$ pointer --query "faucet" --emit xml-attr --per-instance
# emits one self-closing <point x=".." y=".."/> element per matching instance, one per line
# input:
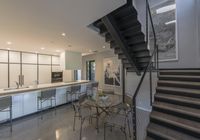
<point x="17" y="84"/>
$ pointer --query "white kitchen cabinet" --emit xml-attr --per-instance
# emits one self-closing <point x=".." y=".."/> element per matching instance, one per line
<point x="44" y="59"/>
<point x="30" y="74"/>
<point x="29" y="58"/>
<point x="4" y="75"/>
<point x="55" y="60"/>
<point x="18" y="105"/>
<point x="44" y="74"/>
<point x="14" y="57"/>
<point x="3" y="56"/>
<point x="30" y="102"/>
<point x="14" y="74"/>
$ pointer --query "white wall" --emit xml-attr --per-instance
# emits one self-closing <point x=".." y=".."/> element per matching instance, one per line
<point x="187" y="31"/>
<point x="98" y="57"/>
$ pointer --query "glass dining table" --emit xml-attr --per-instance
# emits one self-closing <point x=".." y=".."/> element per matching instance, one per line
<point x="103" y="104"/>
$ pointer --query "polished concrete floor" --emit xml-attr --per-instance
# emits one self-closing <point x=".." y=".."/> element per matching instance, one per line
<point x="55" y="127"/>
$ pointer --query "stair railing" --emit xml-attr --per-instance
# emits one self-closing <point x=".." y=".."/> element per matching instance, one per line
<point x="149" y="67"/>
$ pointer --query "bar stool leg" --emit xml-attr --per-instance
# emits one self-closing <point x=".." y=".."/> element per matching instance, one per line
<point x="11" y="118"/>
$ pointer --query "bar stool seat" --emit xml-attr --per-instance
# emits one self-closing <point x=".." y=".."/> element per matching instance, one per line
<point x="6" y="106"/>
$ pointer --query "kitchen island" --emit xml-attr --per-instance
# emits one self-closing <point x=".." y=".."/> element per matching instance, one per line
<point x="24" y="100"/>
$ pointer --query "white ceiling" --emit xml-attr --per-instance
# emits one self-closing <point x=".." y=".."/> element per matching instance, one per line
<point x="32" y="24"/>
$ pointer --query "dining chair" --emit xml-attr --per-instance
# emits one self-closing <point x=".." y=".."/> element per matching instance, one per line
<point x="74" y="92"/>
<point x="120" y="117"/>
<point x="6" y="106"/>
<point x="82" y="112"/>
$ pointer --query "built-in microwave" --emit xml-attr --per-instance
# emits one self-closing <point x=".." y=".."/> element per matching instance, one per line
<point x="56" y="77"/>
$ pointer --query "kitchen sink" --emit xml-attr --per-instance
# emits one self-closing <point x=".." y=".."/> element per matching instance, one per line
<point x="15" y="88"/>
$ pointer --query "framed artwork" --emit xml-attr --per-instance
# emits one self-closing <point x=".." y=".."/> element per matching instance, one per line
<point x="164" y="18"/>
<point x="112" y="71"/>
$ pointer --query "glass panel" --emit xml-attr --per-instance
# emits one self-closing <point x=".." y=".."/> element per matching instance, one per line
<point x="4" y="75"/>
<point x="14" y="57"/>
<point x="30" y="74"/>
<point x="44" y="74"/>
<point x="29" y="58"/>
<point x="3" y="56"/>
<point x="56" y="60"/>
<point x="56" y="68"/>
<point x="44" y="59"/>
<point x="14" y="74"/>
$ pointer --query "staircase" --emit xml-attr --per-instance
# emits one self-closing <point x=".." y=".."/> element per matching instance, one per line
<point x="122" y="30"/>
<point x="176" y="109"/>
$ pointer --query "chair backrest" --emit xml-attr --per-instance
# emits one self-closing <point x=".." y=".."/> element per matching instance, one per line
<point x="5" y="102"/>
<point x="128" y="100"/>
<point x="82" y="98"/>
<point x="108" y="91"/>
<point x="75" y="88"/>
<point x="95" y="85"/>
<point x="48" y="93"/>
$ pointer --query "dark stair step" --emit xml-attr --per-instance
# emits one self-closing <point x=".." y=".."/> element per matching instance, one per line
<point x="122" y="56"/>
<point x="142" y="54"/>
<point x="132" y="31"/>
<point x="103" y="31"/>
<point x="143" y="65"/>
<point x="108" y="37"/>
<point x="124" y="25"/>
<point x="181" y="124"/>
<point x="124" y="11"/>
<point x="179" y="91"/>
<point x="135" y="40"/>
<point x="177" y="110"/>
<point x="139" y="47"/>
<point x="143" y="60"/>
<point x="178" y="100"/>
<point x="127" y="18"/>
<point x="98" y="23"/>
<point x="180" y="78"/>
<point x="192" y="85"/>
<point x="149" y="138"/>
<point x="113" y="44"/>
<point x="159" y="132"/>
<point x="180" y="72"/>
<point x="127" y="65"/>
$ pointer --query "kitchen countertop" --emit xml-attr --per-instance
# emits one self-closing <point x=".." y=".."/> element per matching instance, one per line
<point x="4" y="93"/>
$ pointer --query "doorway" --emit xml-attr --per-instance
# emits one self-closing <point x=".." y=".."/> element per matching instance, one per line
<point x="90" y="70"/>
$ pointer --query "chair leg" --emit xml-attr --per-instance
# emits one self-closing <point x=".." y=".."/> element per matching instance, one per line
<point x="82" y="121"/>
<point x="11" y="118"/>
<point x="55" y="105"/>
<point x="74" y="122"/>
<point x="129" y="131"/>
<point x="104" y="131"/>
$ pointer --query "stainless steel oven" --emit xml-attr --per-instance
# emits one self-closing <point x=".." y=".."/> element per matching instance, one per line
<point x="56" y="77"/>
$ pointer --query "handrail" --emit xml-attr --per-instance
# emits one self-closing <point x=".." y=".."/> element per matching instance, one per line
<point x="155" y="55"/>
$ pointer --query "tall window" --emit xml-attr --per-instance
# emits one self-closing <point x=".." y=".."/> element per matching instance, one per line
<point x="90" y="70"/>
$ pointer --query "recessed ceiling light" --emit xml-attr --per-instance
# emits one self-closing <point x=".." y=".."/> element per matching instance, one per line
<point x="42" y="48"/>
<point x="57" y="50"/>
<point x="8" y="48"/>
<point x="63" y="34"/>
<point x="166" y="9"/>
<point x="9" y="43"/>
<point x="104" y="47"/>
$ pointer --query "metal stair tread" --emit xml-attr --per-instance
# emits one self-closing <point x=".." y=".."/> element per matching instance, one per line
<point x="185" y="90"/>
<point x="178" y="108"/>
<point x="191" y="100"/>
<point x="179" y="82"/>
<point x="188" y="125"/>
<point x="168" y="133"/>
<point x="181" y="76"/>
<point x="181" y="70"/>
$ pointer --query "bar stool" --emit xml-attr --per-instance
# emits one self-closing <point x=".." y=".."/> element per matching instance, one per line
<point x="91" y="87"/>
<point x="46" y="95"/>
<point x="6" y="106"/>
<point x="75" y="92"/>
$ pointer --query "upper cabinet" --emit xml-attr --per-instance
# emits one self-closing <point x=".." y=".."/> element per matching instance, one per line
<point x="71" y="60"/>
